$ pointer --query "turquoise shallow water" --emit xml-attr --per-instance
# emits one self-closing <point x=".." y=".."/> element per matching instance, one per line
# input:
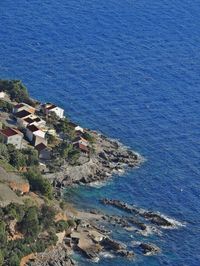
<point x="130" y="69"/>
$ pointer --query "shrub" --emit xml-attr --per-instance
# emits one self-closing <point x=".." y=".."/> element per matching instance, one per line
<point x="38" y="183"/>
<point x="6" y="106"/>
<point x="47" y="215"/>
<point x="61" y="226"/>
<point x="31" y="156"/>
<point x="1" y="258"/>
<point x="4" y="154"/>
<point x="30" y="223"/>
<point x="16" y="90"/>
<point x="3" y="234"/>
<point x="14" y="260"/>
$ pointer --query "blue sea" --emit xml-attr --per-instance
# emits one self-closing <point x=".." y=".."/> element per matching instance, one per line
<point x="130" y="69"/>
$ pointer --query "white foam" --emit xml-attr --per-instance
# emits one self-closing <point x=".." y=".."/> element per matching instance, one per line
<point x="106" y="255"/>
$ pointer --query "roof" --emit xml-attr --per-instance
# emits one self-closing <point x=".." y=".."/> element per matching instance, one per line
<point x="81" y="146"/>
<point x="37" y="119"/>
<point x="40" y="147"/>
<point x="52" y="106"/>
<point x="10" y="132"/>
<point x="19" y="105"/>
<point x="79" y="138"/>
<point x="33" y="128"/>
<point x="29" y="120"/>
<point x="22" y="114"/>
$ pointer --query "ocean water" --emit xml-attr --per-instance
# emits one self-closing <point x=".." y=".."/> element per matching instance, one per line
<point x="130" y="69"/>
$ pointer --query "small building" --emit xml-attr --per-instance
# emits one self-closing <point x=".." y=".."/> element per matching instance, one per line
<point x="81" y="140"/>
<point x="38" y="139"/>
<point x="82" y="147"/>
<point x="2" y="94"/>
<point x="32" y="131"/>
<point x="43" y="151"/>
<point x="23" y="106"/>
<point x="12" y="136"/>
<point x="48" y="108"/>
<point x="76" y="127"/>
<point x="20" y="116"/>
<point x="32" y="119"/>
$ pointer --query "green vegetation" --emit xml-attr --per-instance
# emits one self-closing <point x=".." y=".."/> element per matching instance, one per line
<point x="39" y="183"/>
<point x="52" y="140"/>
<point x="61" y="226"/>
<point x="16" y="90"/>
<point x="36" y="226"/>
<point x="11" y="157"/>
<point x="89" y="137"/>
<point x="6" y="166"/>
<point x="64" y="151"/>
<point x="1" y="258"/>
<point x="6" y="106"/>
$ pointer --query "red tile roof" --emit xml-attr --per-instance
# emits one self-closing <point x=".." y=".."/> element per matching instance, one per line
<point x="40" y="147"/>
<point x="22" y="114"/>
<point x="52" y="106"/>
<point x="19" y="105"/>
<point x="33" y="128"/>
<point x="8" y="132"/>
<point x="28" y="120"/>
<point x="81" y="146"/>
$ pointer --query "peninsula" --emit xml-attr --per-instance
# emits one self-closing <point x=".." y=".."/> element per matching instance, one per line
<point x="42" y="152"/>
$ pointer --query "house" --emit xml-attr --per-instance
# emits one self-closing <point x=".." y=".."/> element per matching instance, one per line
<point x="81" y="140"/>
<point x="12" y="136"/>
<point x="48" y="108"/>
<point x="2" y="94"/>
<point x="43" y="151"/>
<point x="76" y="127"/>
<point x="37" y="140"/>
<point x="23" y="106"/>
<point x="20" y="116"/>
<point x="82" y="147"/>
<point x="32" y="119"/>
<point x="32" y="132"/>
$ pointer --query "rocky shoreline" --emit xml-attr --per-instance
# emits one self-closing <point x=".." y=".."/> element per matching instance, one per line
<point x="110" y="158"/>
<point x="93" y="236"/>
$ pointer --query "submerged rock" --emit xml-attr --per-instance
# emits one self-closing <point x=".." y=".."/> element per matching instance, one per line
<point x="149" y="249"/>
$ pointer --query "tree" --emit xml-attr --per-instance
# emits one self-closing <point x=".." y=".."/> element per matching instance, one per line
<point x="31" y="156"/>
<point x="3" y="234"/>
<point x="17" y="159"/>
<point x="15" y="211"/>
<point x="51" y="139"/>
<point x="17" y="91"/>
<point x="39" y="183"/>
<point x="47" y="215"/>
<point x="14" y="260"/>
<point x="1" y="258"/>
<point x="30" y="222"/>
<point x="6" y="106"/>
<point x="62" y="225"/>
<point x="4" y="154"/>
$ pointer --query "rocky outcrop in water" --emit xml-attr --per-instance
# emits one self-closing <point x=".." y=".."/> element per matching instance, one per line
<point x="153" y="217"/>
<point x="116" y="247"/>
<point x="149" y="249"/>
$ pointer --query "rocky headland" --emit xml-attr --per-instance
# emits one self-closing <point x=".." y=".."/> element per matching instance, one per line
<point x="110" y="157"/>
